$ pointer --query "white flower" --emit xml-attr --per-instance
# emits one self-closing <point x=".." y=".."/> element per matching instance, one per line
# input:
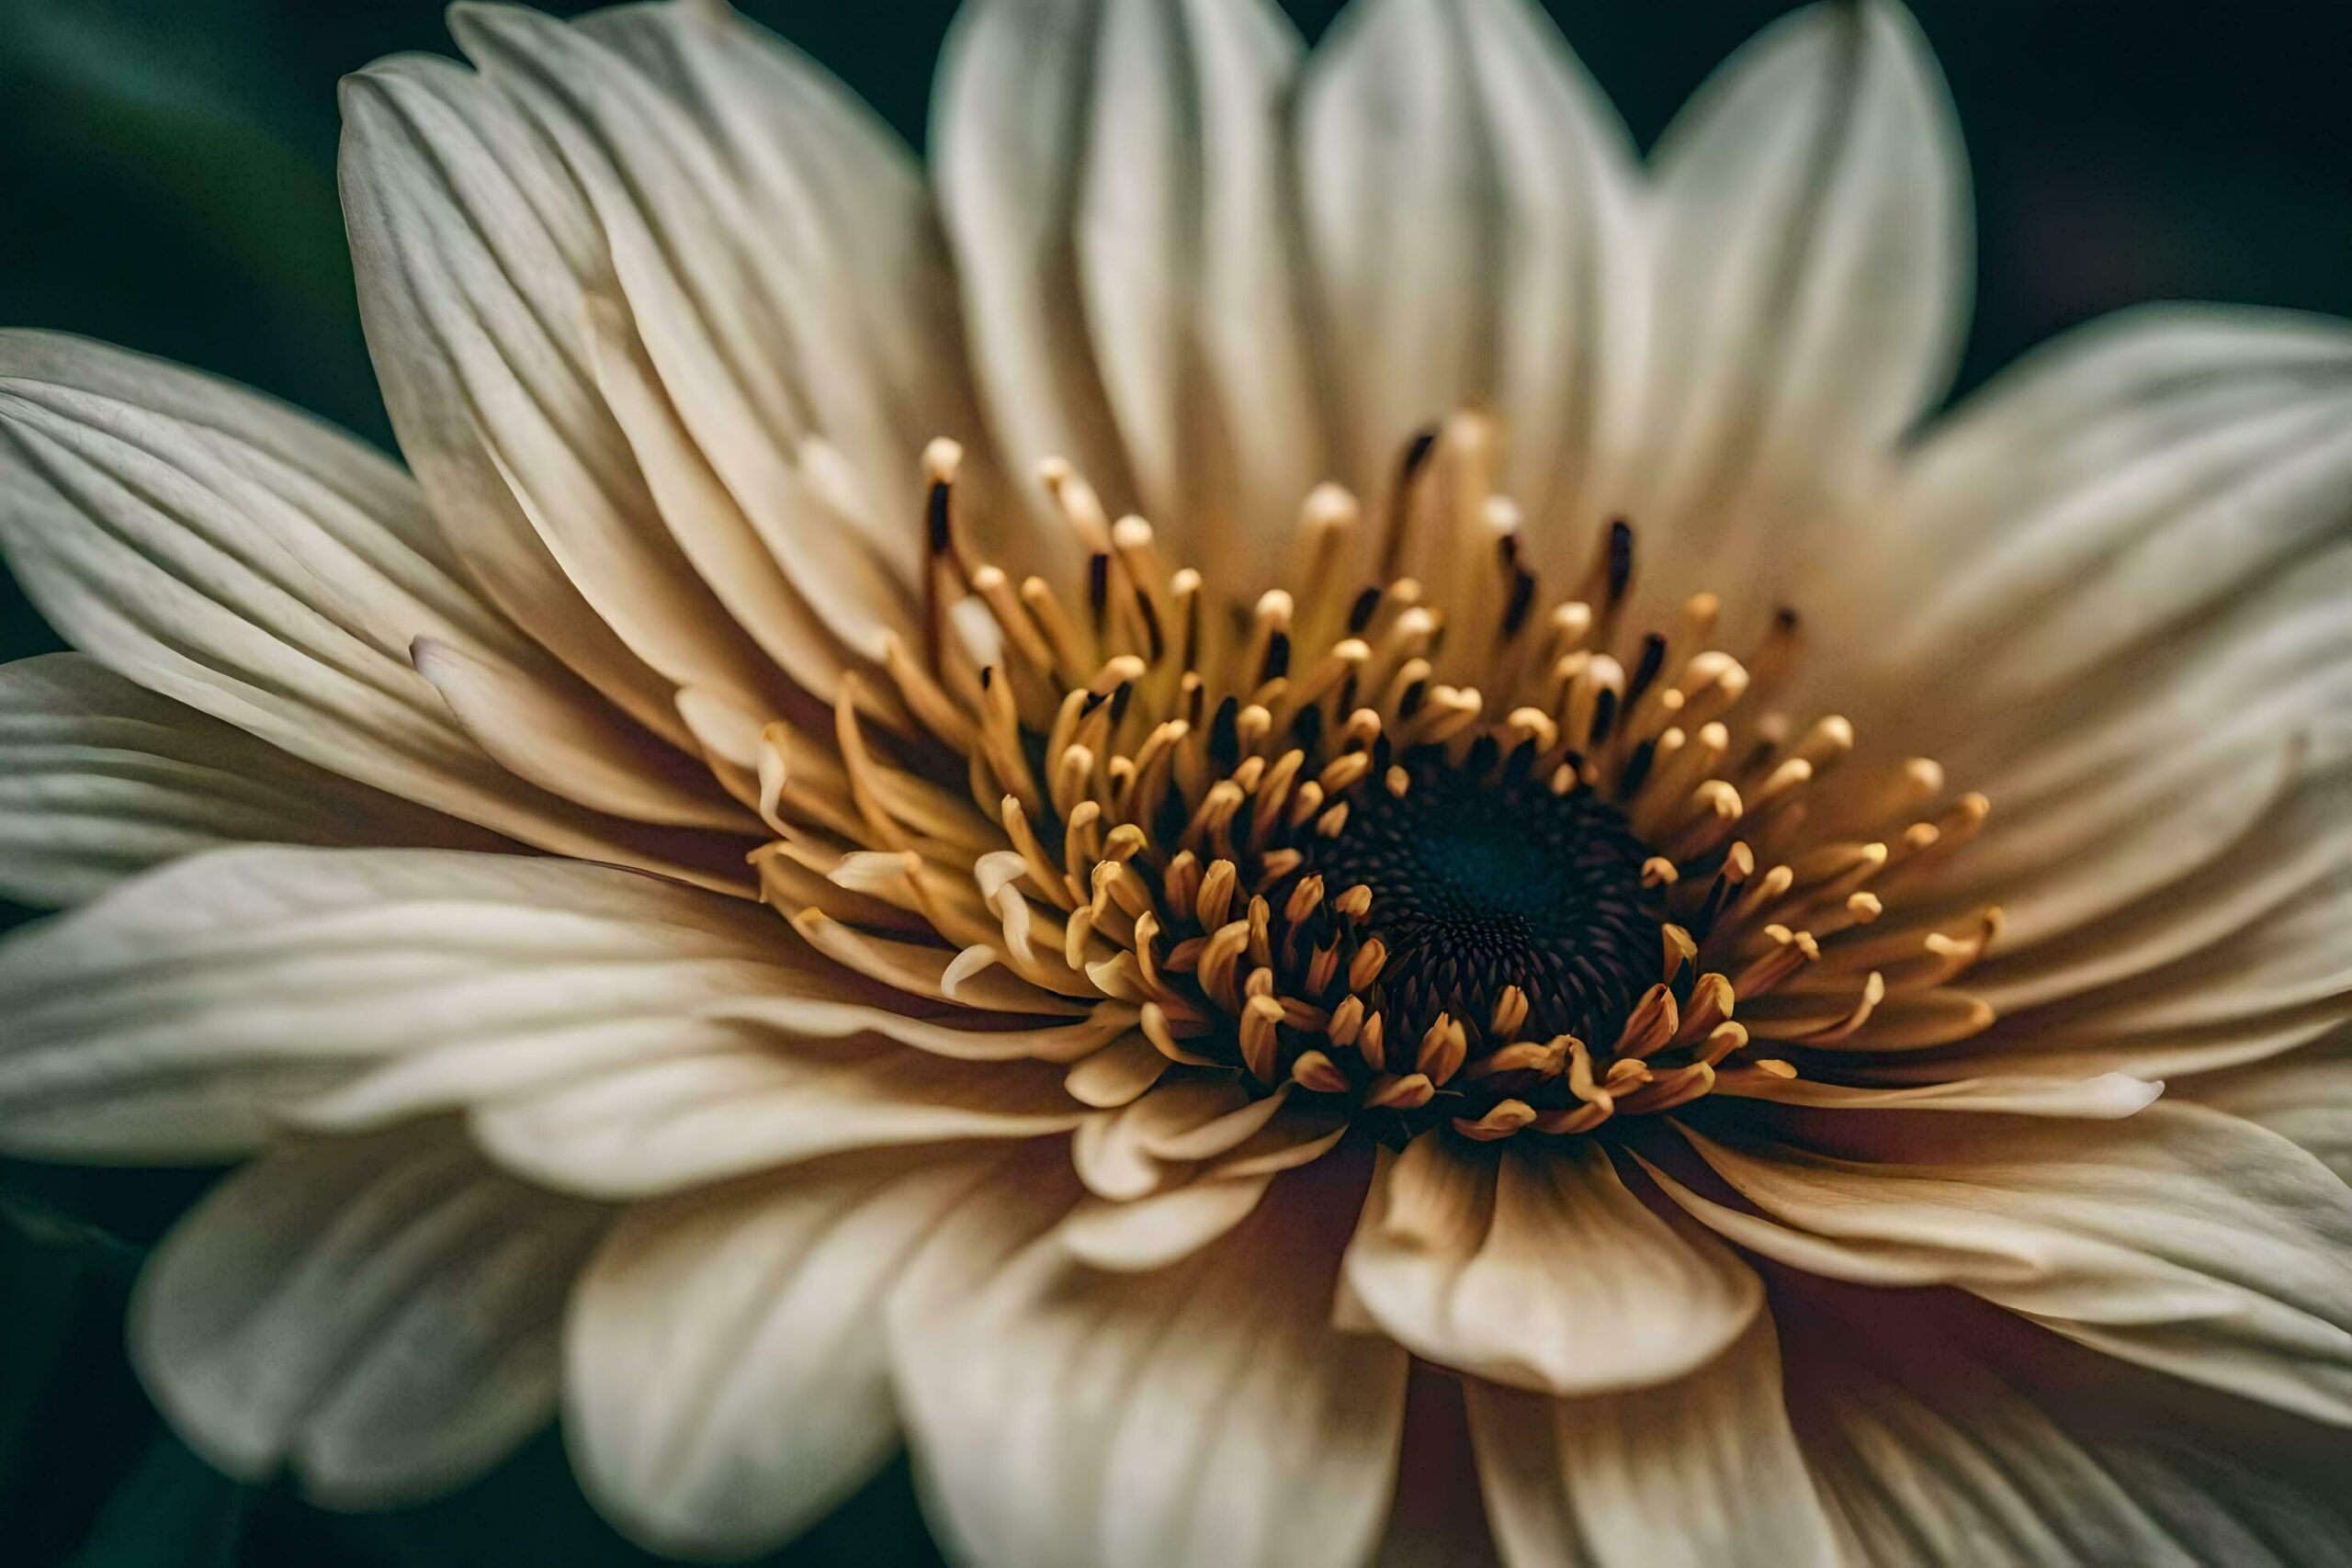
<point x="1383" y="924"/>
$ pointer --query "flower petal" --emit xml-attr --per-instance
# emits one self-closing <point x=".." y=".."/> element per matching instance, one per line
<point x="1207" y="1414"/>
<point x="235" y="557"/>
<point x="1468" y="194"/>
<point x="839" y="228"/>
<point x="178" y="1015"/>
<point x="707" y="260"/>
<point x="1810" y="244"/>
<point x="676" y="1120"/>
<point x="1185" y="246"/>
<point x="2128" y="563"/>
<point x="2181" y="1238"/>
<point x="2305" y="1098"/>
<point x="1704" y="1469"/>
<point x="2042" y="524"/>
<point x="101" y="779"/>
<point x="1540" y="1269"/>
<point x="1930" y="1455"/>
<point x="377" y="1314"/>
<point x="1008" y="116"/>
<point x="728" y="1375"/>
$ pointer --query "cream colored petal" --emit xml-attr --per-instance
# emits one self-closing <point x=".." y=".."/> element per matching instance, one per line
<point x="573" y="745"/>
<point x="1009" y="121"/>
<point x="1810" y="241"/>
<point x="469" y="241"/>
<point x="707" y="271"/>
<point x="1189" y="271"/>
<point x="2305" y="1098"/>
<point x="2127" y="563"/>
<point x="101" y="779"/>
<point x="1538" y="1268"/>
<point x="2110" y="1095"/>
<point x="1930" y="1455"/>
<point x="1164" y="1228"/>
<point x="1469" y="195"/>
<point x="726" y="1375"/>
<point x="2040" y="527"/>
<point x="377" y="1316"/>
<point x="1208" y="1413"/>
<point x="218" y="550"/>
<point x="839" y="228"/>
<point x="178" y="1016"/>
<point x="674" y="1120"/>
<point x="2184" y="1239"/>
<point x="1701" y="1472"/>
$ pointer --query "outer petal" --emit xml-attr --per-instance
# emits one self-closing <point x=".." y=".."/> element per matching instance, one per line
<point x="1930" y="1455"/>
<point x="2182" y="1238"/>
<point x="677" y="1120"/>
<point x="377" y="1314"/>
<point x="1810" y="244"/>
<point x="1115" y="180"/>
<point x="100" y="779"/>
<point x="2039" y="529"/>
<point x="1467" y="190"/>
<point x="2127" y="561"/>
<point x="1703" y="1471"/>
<point x="2305" y="1098"/>
<point x="1206" y="1414"/>
<point x="233" y="555"/>
<point x="175" y="1016"/>
<point x="1538" y="1267"/>
<point x="707" y="260"/>
<point x="729" y="1376"/>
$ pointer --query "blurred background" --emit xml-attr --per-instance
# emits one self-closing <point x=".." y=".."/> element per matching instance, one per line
<point x="167" y="182"/>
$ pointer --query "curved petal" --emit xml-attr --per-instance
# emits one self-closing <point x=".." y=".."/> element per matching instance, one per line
<point x="1538" y="1268"/>
<point x="1188" y="269"/>
<point x="675" y="1119"/>
<point x="1810" y="244"/>
<point x="377" y="1314"/>
<point x="728" y="1375"/>
<point x="839" y="231"/>
<point x="2041" y="526"/>
<point x="1928" y="1454"/>
<point x="1468" y="194"/>
<point x="2182" y="1238"/>
<point x="2127" y="562"/>
<point x="751" y="329"/>
<point x="2305" y="1098"/>
<point x="180" y="1015"/>
<point x="101" y="779"/>
<point x="1207" y="1414"/>
<point x="232" y="556"/>
<point x="1701" y="1471"/>
<point x="1008" y="119"/>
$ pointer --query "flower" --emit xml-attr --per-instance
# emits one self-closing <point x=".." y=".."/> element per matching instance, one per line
<point x="1571" y="947"/>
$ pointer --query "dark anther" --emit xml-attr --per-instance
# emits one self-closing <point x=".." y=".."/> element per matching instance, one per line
<point x="1522" y="598"/>
<point x="1225" y="736"/>
<point x="1361" y="613"/>
<point x="1277" y="663"/>
<point x="1653" y="659"/>
<point x="1604" y="714"/>
<point x="1621" y="559"/>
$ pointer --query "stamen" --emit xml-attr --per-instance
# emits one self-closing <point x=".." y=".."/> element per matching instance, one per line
<point x="1408" y="849"/>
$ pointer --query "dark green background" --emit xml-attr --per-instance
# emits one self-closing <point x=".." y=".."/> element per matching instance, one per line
<point x="167" y="181"/>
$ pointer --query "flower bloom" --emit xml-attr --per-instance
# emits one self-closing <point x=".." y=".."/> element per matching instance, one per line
<point x="1297" y="817"/>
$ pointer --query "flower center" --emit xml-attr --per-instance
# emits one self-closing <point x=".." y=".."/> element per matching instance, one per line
<point x="1416" y="841"/>
<point x="1483" y="879"/>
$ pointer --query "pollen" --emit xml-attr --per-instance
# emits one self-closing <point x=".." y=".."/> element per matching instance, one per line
<point x="1414" y="837"/>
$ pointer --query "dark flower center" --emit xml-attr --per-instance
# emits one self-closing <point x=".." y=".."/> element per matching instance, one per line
<point x="1481" y="881"/>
